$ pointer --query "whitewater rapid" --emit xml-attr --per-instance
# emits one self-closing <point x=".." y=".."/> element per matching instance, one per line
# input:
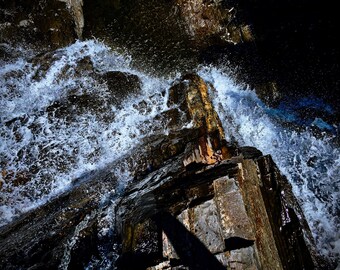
<point x="88" y="142"/>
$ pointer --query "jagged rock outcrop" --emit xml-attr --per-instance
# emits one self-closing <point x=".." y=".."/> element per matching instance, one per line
<point x="196" y="202"/>
<point x="213" y="22"/>
<point x="214" y="207"/>
<point x="203" y="23"/>
<point x="166" y="35"/>
<point x="231" y="205"/>
<point x="75" y="7"/>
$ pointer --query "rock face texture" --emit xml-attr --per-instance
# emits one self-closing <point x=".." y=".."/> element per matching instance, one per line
<point x="212" y="22"/>
<point x="196" y="202"/>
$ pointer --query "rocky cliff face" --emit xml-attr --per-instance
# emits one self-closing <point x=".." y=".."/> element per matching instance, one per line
<point x="196" y="202"/>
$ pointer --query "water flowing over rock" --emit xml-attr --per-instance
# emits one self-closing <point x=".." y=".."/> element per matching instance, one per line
<point x="195" y="202"/>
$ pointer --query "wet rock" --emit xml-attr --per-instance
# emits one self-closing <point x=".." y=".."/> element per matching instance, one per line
<point x="233" y="223"/>
<point x="212" y="22"/>
<point x="117" y="86"/>
<point x="249" y="152"/>
<point x="269" y="93"/>
<point x="121" y="85"/>
<point x="81" y="100"/>
<point x="203" y="221"/>
<point x="15" y="180"/>
<point x="191" y="97"/>
<point x="308" y="68"/>
<point x="224" y="220"/>
<point x="201" y="23"/>
<point x="141" y="246"/>
<point x="75" y="7"/>
<point x="277" y="194"/>
<point x="43" y="62"/>
<point x="166" y="36"/>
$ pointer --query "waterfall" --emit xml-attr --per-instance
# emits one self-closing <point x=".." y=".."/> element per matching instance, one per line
<point x="41" y="152"/>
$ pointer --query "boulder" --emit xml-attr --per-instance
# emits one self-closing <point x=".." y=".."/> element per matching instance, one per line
<point x="212" y="22"/>
<point x="121" y="85"/>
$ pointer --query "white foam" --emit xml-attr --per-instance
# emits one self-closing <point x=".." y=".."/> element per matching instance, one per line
<point x="59" y="149"/>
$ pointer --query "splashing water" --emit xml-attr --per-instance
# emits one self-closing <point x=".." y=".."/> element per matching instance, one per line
<point x="311" y="164"/>
<point x="42" y="150"/>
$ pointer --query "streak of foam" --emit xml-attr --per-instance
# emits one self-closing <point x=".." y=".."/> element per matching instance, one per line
<point x="311" y="164"/>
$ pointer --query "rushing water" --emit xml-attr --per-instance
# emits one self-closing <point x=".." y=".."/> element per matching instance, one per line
<point x="42" y="152"/>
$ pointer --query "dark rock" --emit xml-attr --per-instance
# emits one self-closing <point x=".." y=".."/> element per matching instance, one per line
<point x="290" y="57"/>
<point x="121" y="85"/>
<point x="165" y="35"/>
<point x="44" y="61"/>
<point x="223" y="205"/>
<point x="250" y="152"/>
<point x="43" y="24"/>
<point x="212" y="22"/>
<point x="170" y="35"/>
